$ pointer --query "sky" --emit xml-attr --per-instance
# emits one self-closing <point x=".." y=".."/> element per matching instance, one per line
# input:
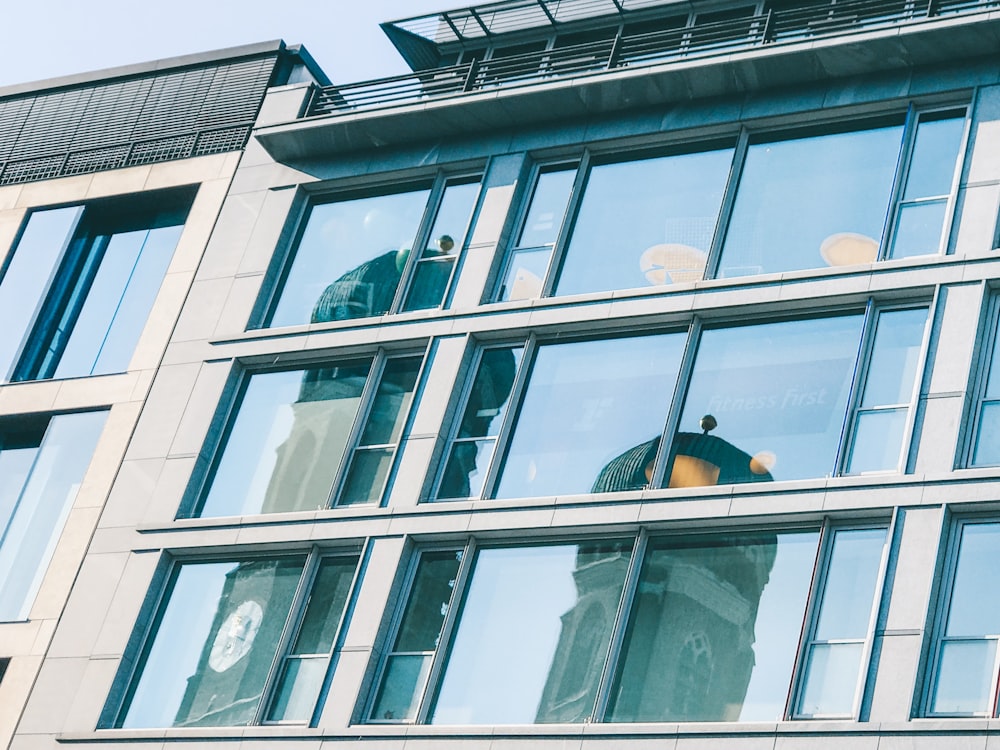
<point x="50" y="38"/>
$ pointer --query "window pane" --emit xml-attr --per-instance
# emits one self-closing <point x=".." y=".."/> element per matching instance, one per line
<point x="392" y="401"/>
<point x="988" y="438"/>
<point x="811" y="202"/>
<point x="118" y="302"/>
<point x="548" y="205"/>
<point x="402" y="686"/>
<point x="350" y="258"/>
<point x="895" y="353"/>
<point x="850" y="584"/>
<point x="831" y="679"/>
<point x="326" y="605"/>
<point x="918" y="229"/>
<point x="714" y="630"/>
<point x="28" y="274"/>
<point x="43" y="501"/>
<point x="971" y="613"/>
<point x="588" y="407"/>
<point x="429" y="599"/>
<point x="214" y="644"/>
<point x="646" y="223"/>
<point x="297" y="689"/>
<point x="430" y="282"/>
<point x="964" y="677"/>
<point x="878" y="439"/>
<point x="366" y="477"/>
<point x="935" y="152"/>
<point x="526" y="274"/>
<point x="533" y="635"/>
<point x="465" y="472"/>
<point x="287" y="441"/>
<point x="775" y="395"/>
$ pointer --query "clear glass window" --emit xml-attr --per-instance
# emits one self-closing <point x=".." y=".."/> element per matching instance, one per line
<point x="42" y="463"/>
<point x="354" y="254"/>
<point x="79" y="286"/>
<point x="301" y="431"/>
<point x="986" y="442"/>
<point x="212" y="658"/>
<point x="636" y="630"/>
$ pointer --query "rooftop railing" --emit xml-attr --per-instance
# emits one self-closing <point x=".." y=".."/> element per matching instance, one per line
<point x="780" y="24"/>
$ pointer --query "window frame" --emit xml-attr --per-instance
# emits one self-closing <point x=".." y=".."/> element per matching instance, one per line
<point x="426" y="695"/>
<point x="983" y="364"/>
<point x="158" y="599"/>
<point x="694" y="328"/>
<point x="740" y="138"/>
<point x="229" y="409"/>
<point x="435" y="183"/>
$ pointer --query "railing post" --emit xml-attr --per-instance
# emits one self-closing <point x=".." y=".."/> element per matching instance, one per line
<point x="615" y="53"/>
<point x="765" y="35"/>
<point x="470" y="77"/>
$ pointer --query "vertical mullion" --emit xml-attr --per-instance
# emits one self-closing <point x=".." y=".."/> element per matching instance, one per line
<point x="906" y="147"/>
<point x="567" y="225"/>
<point x="368" y="394"/>
<point x="861" y="364"/>
<point x="728" y="203"/>
<point x="444" y="640"/>
<point x="419" y="242"/>
<point x="511" y="417"/>
<point x="684" y="373"/>
<point x="629" y="588"/>
<point x="293" y="621"/>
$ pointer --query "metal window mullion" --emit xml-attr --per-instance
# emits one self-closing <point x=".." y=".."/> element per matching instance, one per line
<point x="419" y="242"/>
<point x="906" y="146"/>
<point x="855" y="395"/>
<point x="629" y="589"/>
<point x="725" y="216"/>
<point x="511" y="417"/>
<point x="567" y="225"/>
<point x="368" y="394"/>
<point x="447" y="628"/>
<point x="673" y="416"/>
<point x="293" y="621"/>
<point x="810" y="619"/>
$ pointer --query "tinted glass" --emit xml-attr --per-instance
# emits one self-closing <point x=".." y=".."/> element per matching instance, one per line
<point x="777" y="397"/>
<point x="714" y="630"/>
<point x="287" y="441"/>
<point x="971" y="613"/>
<point x="214" y="644"/>
<point x="589" y="409"/>
<point x="895" y="353"/>
<point x="350" y="259"/>
<point x="548" y="205"/>
<point x="935" y="153"/>
<point x="645" y="223"/>
<point x="811" y="202"/>
<point x="533" y="635"/>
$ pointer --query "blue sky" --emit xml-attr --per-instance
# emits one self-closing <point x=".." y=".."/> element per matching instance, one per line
<point x="49" y="38"/>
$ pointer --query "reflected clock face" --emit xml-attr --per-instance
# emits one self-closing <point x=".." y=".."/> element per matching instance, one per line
<point x="235" y="637"/>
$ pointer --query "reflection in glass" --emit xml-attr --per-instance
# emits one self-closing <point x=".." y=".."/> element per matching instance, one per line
<point x="408" y="664"/>
<point x="533" y="635"/>
<point x="472" y="448"/>
<point x="833" y="654"/>
<point x="306" y="665"/>
<point x="888" y="391"/>
<point x="920" y="223"/>
<point x="775" y="393"/>
<point x="350" y="258"/>
<point x="447" y="238"/>
<point x="42" y="463"/>
<point x="967" y="650"/>
<point x="286" y="444"/>
<point x="795" y="195"/>
<point x="529" y="261"/>
<point x="645" y="223"/>
<point x="712" y="631"/>
<point x="214" y="644"/>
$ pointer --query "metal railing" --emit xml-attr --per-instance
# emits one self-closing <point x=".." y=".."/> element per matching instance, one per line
<point x="778" y="25"/>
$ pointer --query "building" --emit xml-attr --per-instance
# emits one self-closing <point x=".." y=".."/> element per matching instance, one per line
<point x="622" y="377"/>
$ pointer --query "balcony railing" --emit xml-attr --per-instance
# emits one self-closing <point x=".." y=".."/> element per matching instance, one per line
<point x="701" y="40"/>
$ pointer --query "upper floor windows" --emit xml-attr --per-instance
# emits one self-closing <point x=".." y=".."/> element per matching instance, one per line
<point x="240" y="642"/>
<point x="355" y="258"/>
<point x="791" y="399"/>
<point x="636" y="630"/>
<point x="79" y="285"/>
<point x="833" y="199"/>
<point x="312" y="438"/>
<point x="42" y="462"/>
